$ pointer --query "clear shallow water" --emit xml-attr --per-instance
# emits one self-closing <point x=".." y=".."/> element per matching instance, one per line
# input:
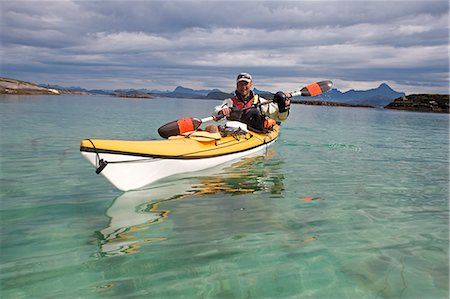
<point x="377" y="227"/>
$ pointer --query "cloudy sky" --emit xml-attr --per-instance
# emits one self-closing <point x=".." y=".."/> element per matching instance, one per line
<point x="204" y="44"/>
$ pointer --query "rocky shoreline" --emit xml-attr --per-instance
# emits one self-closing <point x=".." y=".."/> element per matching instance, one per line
<point x="18" y="87"/>
<point x="11" y="86"/>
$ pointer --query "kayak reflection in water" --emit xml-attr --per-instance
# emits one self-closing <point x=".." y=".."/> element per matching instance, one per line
<point x="133" y="213"/>
<point x="245" y="106"/>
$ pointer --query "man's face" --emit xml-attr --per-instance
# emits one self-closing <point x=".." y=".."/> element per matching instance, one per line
<point x="244" y="88"/>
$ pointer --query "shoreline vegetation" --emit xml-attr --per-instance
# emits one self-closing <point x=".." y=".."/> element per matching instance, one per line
<point x="438" y="103"/>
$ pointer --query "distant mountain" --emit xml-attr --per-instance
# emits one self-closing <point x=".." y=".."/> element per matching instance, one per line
<point x="58" y="87"/>
<point x="101" y="92"/>
<point x="184" y="92"/>
<point x="133" y="94"/>
<point x="377" y="97"/>
<point x="218" y="95"/>
<point x="258" y="91"/>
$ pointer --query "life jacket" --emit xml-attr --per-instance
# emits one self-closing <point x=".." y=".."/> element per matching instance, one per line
<point x="239" y="104"/>
<point x="253" y="116"/>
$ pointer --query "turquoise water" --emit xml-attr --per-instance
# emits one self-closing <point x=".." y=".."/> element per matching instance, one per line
<point x="377" y="226"/>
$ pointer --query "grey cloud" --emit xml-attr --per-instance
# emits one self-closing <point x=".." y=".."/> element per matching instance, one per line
<point x="212" y="40"/>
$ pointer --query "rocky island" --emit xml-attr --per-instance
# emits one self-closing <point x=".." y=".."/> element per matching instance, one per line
<point x="422" y="103"/>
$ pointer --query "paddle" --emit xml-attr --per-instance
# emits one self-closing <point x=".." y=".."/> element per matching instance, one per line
<point x="189" y="124"/>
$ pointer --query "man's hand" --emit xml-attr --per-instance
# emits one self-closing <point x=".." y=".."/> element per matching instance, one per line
<point x="283" y="101"/>
<point x="288" y="99"/>
<point x="226" y="111"/>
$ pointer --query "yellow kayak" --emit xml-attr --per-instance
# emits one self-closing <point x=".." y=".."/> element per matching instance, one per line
<point x="132" y="165"/>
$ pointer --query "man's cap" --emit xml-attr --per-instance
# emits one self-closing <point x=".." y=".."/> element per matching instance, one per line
<point x="244" y="77"/>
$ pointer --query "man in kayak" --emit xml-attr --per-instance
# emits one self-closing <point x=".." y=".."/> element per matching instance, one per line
<point x="243" y="106"/>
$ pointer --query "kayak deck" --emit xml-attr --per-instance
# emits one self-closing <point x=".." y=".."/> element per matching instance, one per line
<point x="183" y="147"/>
